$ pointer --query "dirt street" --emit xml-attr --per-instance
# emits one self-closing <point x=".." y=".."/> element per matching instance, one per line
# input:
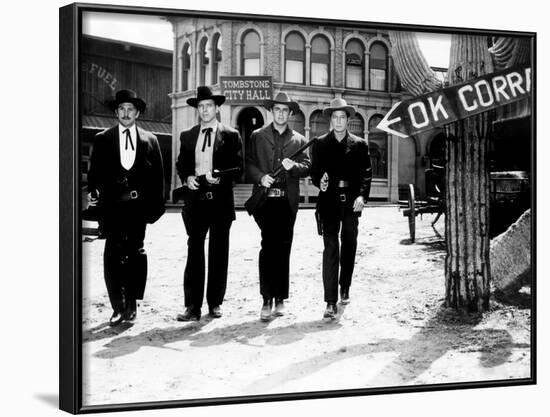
<point x="394" y="332"/>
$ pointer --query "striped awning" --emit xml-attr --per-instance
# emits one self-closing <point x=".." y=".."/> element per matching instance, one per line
<point x="104" y="122"/>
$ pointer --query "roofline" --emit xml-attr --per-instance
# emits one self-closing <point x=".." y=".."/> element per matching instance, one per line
<point x="152" y="48"/>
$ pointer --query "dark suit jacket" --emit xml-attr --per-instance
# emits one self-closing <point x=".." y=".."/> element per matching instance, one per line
<point x="259" y="160"/>
<point x="356" y="169"/>
<point x="107" y="175"/>
<point x="227" y="154"/>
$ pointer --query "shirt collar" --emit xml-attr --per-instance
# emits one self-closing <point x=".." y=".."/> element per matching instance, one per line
<point x="214" y="127"/>
<point x="343" y="141"/>
<point x="285" y="132"/>
<point x="133" y="130"/>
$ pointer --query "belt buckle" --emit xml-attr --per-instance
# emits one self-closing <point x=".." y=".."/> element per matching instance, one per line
<point x="276" y="192"/>
<point x="208" y="195"/>
<point x="342" y="198"/>
<point x="133" y="194"/>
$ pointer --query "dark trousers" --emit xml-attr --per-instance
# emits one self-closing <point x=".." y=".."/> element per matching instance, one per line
<point x="276" y="221"/>
<point x="124" y="258"/>
<point x="335" y="255"/>
<point x="199" y="218"/>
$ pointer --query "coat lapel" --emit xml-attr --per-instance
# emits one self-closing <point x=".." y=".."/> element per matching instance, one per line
<point x="218" y="140"/>
<point x="288" y="136"/>
<point x="350" y="143"/>
<point x="113" y="134"/>
<point x="194" y="138"/>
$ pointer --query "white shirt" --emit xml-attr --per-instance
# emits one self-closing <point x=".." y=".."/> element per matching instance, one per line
<point x="203" y="160"/>
<point x="127" y="156"/>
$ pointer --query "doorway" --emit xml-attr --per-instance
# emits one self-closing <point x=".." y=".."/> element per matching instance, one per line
<point x="249" y="119"/>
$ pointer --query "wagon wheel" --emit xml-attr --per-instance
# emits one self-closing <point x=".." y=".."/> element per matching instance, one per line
<point x="412" y="212"/>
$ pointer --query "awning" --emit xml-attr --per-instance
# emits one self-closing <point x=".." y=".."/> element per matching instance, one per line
<point x="105" y="122"/>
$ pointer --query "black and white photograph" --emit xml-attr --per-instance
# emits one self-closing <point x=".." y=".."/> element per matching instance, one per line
<point x="260" y="207"/>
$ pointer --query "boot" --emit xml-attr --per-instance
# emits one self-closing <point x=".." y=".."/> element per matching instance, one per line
<point x="330" y="312"/>
<point x="265" y="313"/>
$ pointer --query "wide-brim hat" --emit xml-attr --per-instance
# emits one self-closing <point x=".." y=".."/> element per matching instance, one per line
<point x="126" y="96"/>
<point x="205" y="93"/>
<point x="282" y="98"/>
<point x="339" y="104"/>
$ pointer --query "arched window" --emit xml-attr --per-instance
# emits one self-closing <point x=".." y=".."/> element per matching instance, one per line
<point x="356" y="125"/>
<point x="217" y="57"/>
<point x="297" y="122"/>
<point x="378" y="67"/>
<point x="186" y="67"/>
<point x="295" y="58"/>
<point x="320" y="61"/>
<point x="203" y="61"/>
<point x="319" y="124"/>
<point x="355" y="64"/>
<point x="378" y="148"/>
<point x="250" y="64"/>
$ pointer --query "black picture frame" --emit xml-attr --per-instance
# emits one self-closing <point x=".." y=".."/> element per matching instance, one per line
<point x="70" y="205"/>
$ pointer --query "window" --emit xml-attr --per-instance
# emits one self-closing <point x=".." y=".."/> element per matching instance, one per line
<point x="320" y="61"/>
<point x="356" y="125"/>
<point x="378" y="67"/>
<point x="217" y="57"/>
<point x="319" y="124"/>
<point x="186" y="67"/>
<point x="441" y="75"/>
<point x="250" y="64"/>
<point x="297" y="122"/>
<point x="203" y="57"/>
<point x="378" y="148"/>
<point x="355" y="64"/>
<point x="294" y="58"/>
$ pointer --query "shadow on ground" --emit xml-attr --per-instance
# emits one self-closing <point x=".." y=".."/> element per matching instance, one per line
<point x="446" y="332"/>
<point x="243" y="333"/>
<point x="104" y="331"/>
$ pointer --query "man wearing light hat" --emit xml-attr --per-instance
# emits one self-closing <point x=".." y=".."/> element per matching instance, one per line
<point x="206" y="147"/>
<point x="341" y="168"/>
<point x="126" y="174"/>
<point x="268" y="149"/>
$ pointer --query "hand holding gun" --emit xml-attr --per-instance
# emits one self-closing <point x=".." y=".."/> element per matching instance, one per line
<point x="257" y="199"/>
<point x="195" y="183"/>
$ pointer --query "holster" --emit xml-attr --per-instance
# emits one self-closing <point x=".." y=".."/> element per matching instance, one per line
<point x="319" y="222"/>
<point x="256" y="200"/>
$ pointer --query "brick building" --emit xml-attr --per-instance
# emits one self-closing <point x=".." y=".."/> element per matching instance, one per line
<point x="313" y="64"/>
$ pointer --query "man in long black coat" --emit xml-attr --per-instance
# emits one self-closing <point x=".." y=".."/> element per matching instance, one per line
<point x="268" y="149"/>
<point x="126" y="173"/>
<point x="209" y="207"/>
<point x="341" y="168"/>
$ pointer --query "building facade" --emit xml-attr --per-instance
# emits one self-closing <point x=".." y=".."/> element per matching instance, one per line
<point x="109" y="65"/>
<point x="313" y="64"/>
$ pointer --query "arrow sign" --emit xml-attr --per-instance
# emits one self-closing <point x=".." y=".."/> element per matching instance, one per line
<point x="458" y="102"/>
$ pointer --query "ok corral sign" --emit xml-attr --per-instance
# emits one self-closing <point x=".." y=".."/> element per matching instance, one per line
<point x="458" y="102"/>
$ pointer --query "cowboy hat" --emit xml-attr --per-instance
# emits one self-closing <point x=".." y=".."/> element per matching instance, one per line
<point x="338" y="104"/>
<point x="282" y="98"/>
<point x="126" y="96"/>
<point x="205" y="93"/>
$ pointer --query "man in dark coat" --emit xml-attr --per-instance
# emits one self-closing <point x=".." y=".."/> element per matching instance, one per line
<point x="269" y="148"/>
<point x="209" y="206"/>
<point x="126" y="174"/>
<point x="341" y="168"/>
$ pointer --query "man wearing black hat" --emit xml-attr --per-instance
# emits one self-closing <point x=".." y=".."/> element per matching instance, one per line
<point x="206" y="147"/>
<point x="127" y="175"/>
<point x="341" y="168"/>
<point x="269" y="148"/>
